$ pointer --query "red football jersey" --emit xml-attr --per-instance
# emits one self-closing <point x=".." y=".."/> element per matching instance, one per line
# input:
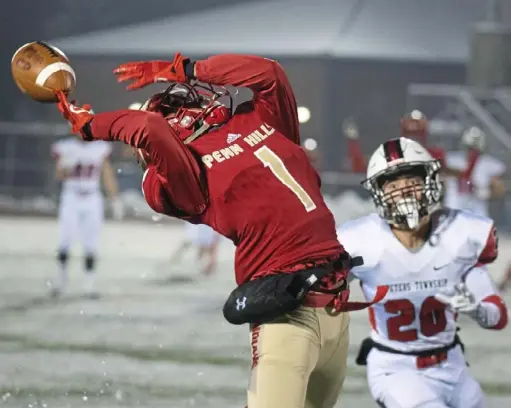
<point x="249" y="180"/>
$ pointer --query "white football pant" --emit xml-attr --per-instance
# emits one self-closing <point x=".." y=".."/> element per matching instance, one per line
<point x="80" y="216"/>
<point x="396" y="382"/>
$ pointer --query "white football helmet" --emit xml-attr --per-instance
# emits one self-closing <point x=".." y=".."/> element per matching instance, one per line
<point x="474" y="138"/>
<point x="398" y="158"/>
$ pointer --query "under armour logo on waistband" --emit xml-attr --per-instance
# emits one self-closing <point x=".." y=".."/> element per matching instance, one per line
<point x="241" y="303"/>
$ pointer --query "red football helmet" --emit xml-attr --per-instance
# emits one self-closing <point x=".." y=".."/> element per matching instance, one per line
<point x="191" y="109"/>
<point x="414" y="125"/>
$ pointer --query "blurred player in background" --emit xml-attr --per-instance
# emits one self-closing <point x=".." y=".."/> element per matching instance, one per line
<point x="434" y="261"/>
<point x="473" y="190"/>
<point x="414" y="125"/>
<point x="79" y="166"/>
<point x="481" y="183"/>
<point x="311" y="149"/>
<point x="204" y="240"/>
<point x="355" y="155"/>
<point x="245" y="174"/>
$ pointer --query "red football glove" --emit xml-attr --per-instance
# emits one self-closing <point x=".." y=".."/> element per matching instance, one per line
<point x="148" y="72"/>
<point x="77" y="116"/>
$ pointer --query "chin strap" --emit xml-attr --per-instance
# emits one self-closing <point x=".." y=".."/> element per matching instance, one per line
<point x="199" y="132"/>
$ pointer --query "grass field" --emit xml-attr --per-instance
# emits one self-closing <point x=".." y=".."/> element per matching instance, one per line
<point x="157" y="337"/>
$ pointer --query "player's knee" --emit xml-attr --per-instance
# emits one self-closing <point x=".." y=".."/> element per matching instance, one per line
<point x="90" y="263"/>
<point x="63" y="256"/>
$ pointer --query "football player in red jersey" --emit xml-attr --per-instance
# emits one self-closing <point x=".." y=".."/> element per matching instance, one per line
<point x="413" y="125"/>
<point x="244" y="174"/>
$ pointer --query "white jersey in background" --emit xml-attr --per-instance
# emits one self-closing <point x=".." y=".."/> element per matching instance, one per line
<point x="472" y="197"/>
<point x="85" y="160"/>
<point x="410" y="318"/>
<point x="80" y="166"/>
<point x="81" y="207"/>
<point x="414" y="358"/>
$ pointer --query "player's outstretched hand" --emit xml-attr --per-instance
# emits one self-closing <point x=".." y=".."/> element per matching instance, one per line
<point x="77" y="116"/>
<point x="144" y="73"/>
<point x="459" y="299"/>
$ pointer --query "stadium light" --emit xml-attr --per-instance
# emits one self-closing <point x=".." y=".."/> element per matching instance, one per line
<point x="304" y="114"/>
<point x="310" y="144"/>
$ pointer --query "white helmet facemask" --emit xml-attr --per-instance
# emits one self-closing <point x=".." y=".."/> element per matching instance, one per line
<point x="408" y="209"/>
<point x="404" y="207"/>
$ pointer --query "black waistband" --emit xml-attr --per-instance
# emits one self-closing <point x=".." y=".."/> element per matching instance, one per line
<point x="421" y="353"/>
<point x="345" y="262"/>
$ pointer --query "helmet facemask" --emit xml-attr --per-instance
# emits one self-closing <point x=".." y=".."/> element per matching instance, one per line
<point x="190" y="108"/>
<point x="406" y="206"/>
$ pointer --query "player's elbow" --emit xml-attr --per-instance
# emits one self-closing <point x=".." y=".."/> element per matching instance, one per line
<point x="502" y="324"/>
<point x="264" y="64"/>
<point x="497" y="301"/>
<point x="272" y="67"/>
<point x="277" y="71"/>
<point x="271" y="70"/>
<point x="152" y="190"/>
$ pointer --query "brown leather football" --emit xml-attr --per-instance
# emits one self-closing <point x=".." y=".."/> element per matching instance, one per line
<point x="39" y="69"/>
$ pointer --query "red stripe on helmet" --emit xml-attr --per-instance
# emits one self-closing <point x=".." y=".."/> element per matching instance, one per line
<point x="393" y="151"/>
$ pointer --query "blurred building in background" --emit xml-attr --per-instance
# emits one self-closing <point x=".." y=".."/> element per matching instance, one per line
<point x="369" y="60"/>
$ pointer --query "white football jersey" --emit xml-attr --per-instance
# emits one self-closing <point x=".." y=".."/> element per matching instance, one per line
<point x="85" y="160"/>
<point x="476" y="199"/>
<point x="410" y="318"/>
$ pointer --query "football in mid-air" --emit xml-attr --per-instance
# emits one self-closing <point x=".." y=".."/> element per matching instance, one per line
<point x="40" y="69"/>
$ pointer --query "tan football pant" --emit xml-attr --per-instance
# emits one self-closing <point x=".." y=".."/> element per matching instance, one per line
<point x="299" y="360"/>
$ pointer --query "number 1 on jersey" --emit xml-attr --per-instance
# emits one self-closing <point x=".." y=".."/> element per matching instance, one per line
<point x="277" y="167"/>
